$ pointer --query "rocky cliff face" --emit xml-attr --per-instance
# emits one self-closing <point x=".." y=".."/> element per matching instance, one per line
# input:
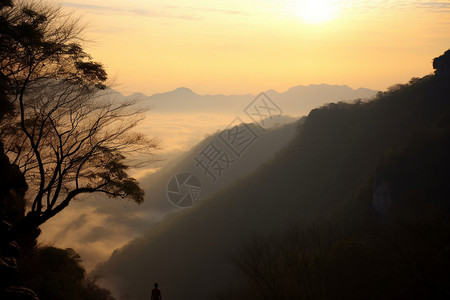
<point x="12" y="209"/>
<point x="442" y="65"/>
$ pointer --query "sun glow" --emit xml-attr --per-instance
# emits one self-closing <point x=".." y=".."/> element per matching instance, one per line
<point x="315" y="11"/>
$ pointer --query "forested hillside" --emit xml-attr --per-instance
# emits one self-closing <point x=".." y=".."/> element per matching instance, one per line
<point x="363" y="186"/>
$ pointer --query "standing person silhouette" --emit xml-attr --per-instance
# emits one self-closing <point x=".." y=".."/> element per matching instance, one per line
<point x="156" y="293"/>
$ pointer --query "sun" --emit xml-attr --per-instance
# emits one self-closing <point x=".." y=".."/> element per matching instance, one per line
<point x="315" y="11"/>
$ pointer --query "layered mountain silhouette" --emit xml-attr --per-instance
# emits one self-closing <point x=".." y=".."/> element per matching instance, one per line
<point x="111" y="222"/>
<point x="296" y="101"/>
<point x="182" y="119"/>
<point x="340" y="167"/>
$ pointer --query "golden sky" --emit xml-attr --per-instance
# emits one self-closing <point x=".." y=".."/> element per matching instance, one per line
<point x="248" y="46"/>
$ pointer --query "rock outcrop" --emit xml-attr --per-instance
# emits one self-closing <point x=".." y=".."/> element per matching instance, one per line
<point x="12" y="209"/>
<point x="442" y="65"/>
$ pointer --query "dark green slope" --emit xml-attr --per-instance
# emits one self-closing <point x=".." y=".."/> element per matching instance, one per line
<point x="328" y="172"/>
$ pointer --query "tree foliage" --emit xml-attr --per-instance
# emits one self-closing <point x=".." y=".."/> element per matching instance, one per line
<point x="399" y="262"/>
<point x="61" y="276"/>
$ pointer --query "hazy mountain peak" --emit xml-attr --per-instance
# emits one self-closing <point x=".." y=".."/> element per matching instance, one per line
<point x="137" y="95"/>
<point x="182" y="91"/>
<point x="178" y="92"/>
<point x="272" y="92"/>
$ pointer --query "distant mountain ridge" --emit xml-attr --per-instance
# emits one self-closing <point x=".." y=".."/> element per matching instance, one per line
<point x="296" y="101"/>
<point x="364" y="92"/>
<point x="181" y="91"/>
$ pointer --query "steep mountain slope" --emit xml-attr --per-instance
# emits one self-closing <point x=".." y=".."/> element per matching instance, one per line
<point x="102" y="224"/>
<point x="338" y="150"/>
<point x="266" y="144"/>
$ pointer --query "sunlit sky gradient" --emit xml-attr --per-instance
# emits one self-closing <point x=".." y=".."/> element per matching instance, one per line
<point x="246" y="46"/>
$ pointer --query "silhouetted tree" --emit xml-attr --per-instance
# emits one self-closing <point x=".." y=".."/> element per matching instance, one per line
<point x="263" y="267"/>
<point x="65" y="135"/>
<point x="61" y="276"/>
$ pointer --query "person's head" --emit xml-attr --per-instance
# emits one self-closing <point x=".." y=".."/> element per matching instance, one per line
<point x="156" y="285"/>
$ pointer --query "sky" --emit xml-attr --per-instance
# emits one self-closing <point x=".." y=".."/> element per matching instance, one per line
<point x="249" y="46"/>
